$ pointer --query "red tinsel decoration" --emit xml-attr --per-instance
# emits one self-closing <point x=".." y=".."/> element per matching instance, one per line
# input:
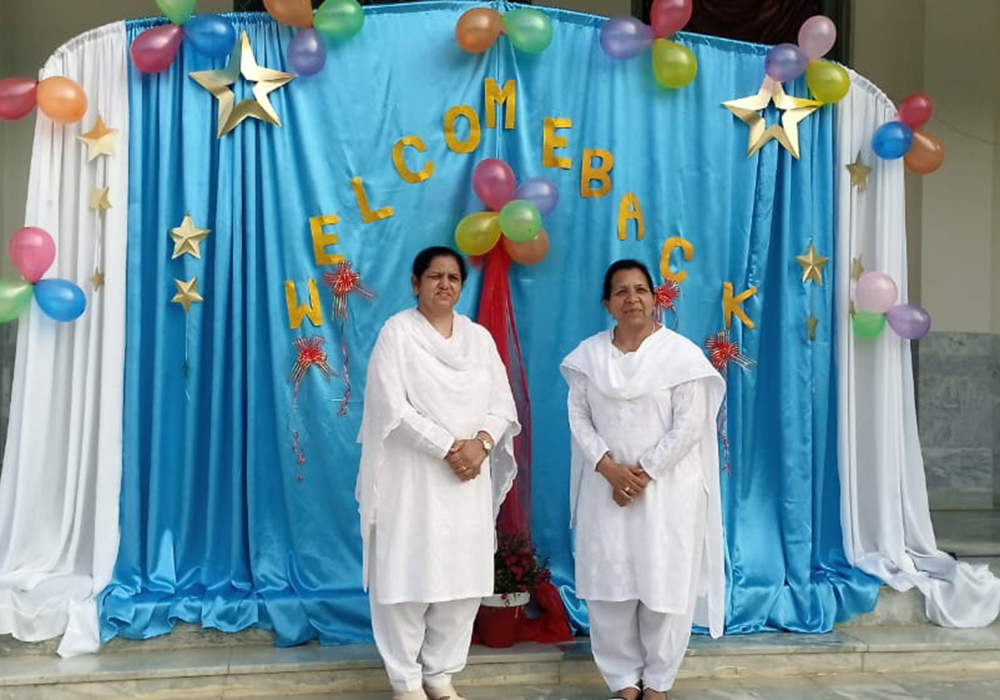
<point x="342" y="282"/>
<point x="722" y="351"/>
<point x="665" y="296"/>
<point x="311" y="354"/>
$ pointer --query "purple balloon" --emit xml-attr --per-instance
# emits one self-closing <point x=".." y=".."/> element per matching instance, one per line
<point x="493" y="182"/>
<point x="539" y="191"/>
<point x="785" y="62"/>
<point x="625" y="37"/>
<point x="910" y="321"/>
<point x="155" y="49"/>
<point x="306" y="52"/>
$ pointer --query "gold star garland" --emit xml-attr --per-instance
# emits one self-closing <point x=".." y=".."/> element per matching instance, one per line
<point x="812" y="265"/>
<point x="187" y="293"/>
<point x="859" y="173"/>
<point x="100" y="140"/>
<point x="187" y="238"/>
<point x="794" y="109"/>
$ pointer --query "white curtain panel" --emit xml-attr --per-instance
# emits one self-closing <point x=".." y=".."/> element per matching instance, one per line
<point x="62" y="465"/>
<point x="884" y="507"/>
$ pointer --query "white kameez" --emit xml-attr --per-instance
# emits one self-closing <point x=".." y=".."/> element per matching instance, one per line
<point x="653" y="408"/>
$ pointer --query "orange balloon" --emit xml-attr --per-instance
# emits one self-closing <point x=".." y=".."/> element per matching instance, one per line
<point x="294" y="13"/>
<point x="529" y="253"/>
<point x="477" y="29"/>
<point x="925" y="155"/>
<point x="61" y="99"/>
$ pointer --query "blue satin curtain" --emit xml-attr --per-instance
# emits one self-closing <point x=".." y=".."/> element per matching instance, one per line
<point x="217" y="528"/>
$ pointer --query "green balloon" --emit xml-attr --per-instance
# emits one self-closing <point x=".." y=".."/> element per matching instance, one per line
<point x="530" y="30"/>
<point x="15" y="297"/>
<point x="673" y="64"/>
<point x="339" y="19"/>
<point x="868" y="325"/>
<point x="177" y="11"/>
<point x="520" y="221"/>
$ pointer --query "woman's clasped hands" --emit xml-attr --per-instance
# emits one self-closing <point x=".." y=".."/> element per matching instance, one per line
<point x="627" y="482"/>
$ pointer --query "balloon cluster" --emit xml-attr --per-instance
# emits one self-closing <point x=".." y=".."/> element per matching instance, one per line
<point x="514" y="216"/>
<point x="155" y="49"/>
<point x="875" y="298"/>
<point x="528" y="29"/>
<point x="674" y="65"/>
<point x="335" y="20"/>
<point x="827" y="81"/>
<point x="60" y="99"/>
<point x="923" y="152"/>
<point x="33" y="251"/>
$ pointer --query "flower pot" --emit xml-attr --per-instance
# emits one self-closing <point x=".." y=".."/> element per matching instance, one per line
<point x="499" y="618"/>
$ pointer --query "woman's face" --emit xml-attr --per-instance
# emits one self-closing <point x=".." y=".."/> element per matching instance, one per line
<point x="439" y="288"/>
<point x="631" y="299"/>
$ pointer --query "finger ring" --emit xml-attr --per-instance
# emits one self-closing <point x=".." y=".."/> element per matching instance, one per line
<point x="628" y="490"/>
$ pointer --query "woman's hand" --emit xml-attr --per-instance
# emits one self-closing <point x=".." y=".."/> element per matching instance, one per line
<point x="466" y="458"/>
<point x="627" y="482"/>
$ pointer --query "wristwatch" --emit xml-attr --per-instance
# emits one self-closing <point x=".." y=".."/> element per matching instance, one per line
<point x="487" y="445"/>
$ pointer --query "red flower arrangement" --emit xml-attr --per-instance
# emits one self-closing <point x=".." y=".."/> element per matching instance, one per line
<point x="516" y="567"/>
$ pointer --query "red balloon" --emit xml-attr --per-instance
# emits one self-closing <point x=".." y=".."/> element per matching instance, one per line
<point x="669" y="16"/>
<point x="915" y="110"/>
<point x="17" y="97"/>
<point x="155" y="49"/>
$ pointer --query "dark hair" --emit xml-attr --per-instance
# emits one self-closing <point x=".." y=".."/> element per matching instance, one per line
<point x="425" y="256"/>
<point x="618" y="266"/>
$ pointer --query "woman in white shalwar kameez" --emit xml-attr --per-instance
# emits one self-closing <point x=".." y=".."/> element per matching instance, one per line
<point x="645" y="489"/>
<point x="430" y="482"/>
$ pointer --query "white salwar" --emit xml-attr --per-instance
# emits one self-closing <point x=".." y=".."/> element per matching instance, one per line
<point x="884" y="507"/>
<point x="429" y="537"/>
<point x="649" y="569"/>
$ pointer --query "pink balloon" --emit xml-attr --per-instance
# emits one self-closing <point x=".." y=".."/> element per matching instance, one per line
<point x="915" y="110"/>
<point x="32" y="251"/>
<point x="493" y="182"/>
<point x="817" y="36"/>
<point x="875" y="292"/>
<point x="669" y="16"/>
<point x="155" y="49"/>
<point x="17" y="97"/>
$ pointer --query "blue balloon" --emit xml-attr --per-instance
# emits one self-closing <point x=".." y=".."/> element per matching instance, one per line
<point x="306" y="52"/>
<point x="785" y="62"/>
<point x="539" y="191"/>
<point x="211" y="35"/>
<point x="625" y="37"/>
<point x="892" y="140"/>
<point x="60" y="299"/>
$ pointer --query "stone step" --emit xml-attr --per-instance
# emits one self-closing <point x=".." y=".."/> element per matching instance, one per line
<point x="256" y="671"/>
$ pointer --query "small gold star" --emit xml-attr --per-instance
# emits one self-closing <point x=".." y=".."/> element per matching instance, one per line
<point x="812" y="265"/>
<point x="97" y="279"/>
<point x="811" y="324"/>
<point x="267" y="80"/>
<point x="859" y="173"/>
<point x="187" y="238"/>
<point x="794" y="109"/>
<point x="99" y="200"/>
<point x="100" y="140"/>
<point x="187" y="293"/>
<point x="857" y="268"/>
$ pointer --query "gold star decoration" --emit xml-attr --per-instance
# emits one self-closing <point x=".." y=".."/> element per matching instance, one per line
<point x="218" y="83"/>
<point x="187" y="238"/>
<point x="859" y="173"/>
<point x="811" y="324"/>
<point x="794" y="109"/>
<point x="851" y="310"/>
<point x="99" y="200"/>
<point x="100" y="140"/>
<point x="857" y="268"/>
<point x="97" y="279"/>
<point x="187" y="293"/>
<point x="812" y="265"/>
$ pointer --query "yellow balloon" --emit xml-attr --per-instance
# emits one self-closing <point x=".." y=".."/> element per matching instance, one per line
<point x="827" y="81"/>
<point x="477" y="233"/>
<point x="673" y="64"/>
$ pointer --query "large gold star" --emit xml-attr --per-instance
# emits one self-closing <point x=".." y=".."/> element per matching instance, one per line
<point x="187" y="293"/>
<point x="794" y="109"/>
<point x="859" y="173"/>
<point x="812" y="265"/>
<point x="99" y="200"/>
<point x="857" y="268"/>
<point x="217" y="82"/>
<point x="811" y="324"/>
<point x="187" y="238"/>
<point x="100" y="140"/>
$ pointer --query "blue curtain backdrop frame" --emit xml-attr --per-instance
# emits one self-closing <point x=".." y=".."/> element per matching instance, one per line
<point x="215" y="527"/>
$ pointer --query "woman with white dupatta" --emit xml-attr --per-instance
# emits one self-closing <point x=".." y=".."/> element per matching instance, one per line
<point x="645" y="489"/>
<point x="437" y="460"/>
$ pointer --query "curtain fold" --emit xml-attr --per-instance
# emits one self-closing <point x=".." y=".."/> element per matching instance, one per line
<point x="62" y="464"/>
<point x="884" y="508"/>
